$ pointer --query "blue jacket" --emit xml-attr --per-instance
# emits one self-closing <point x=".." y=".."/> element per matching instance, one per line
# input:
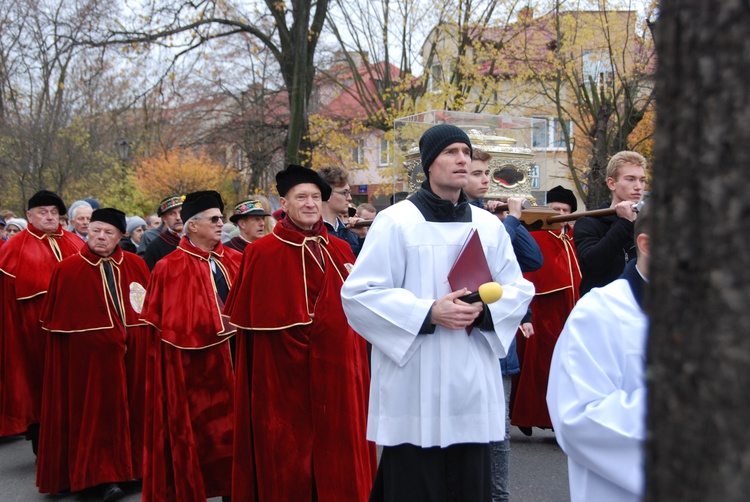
<point x="345" y="234"/>
<point x="529" y="258"/>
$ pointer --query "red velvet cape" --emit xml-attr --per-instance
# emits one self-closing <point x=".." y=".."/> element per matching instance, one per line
<point x="556" y="285"/>
<point x="26" y="264"/>
<point x="189" y="379"/>
<point x="92" y="409"/>
<point x="302" y="376"/>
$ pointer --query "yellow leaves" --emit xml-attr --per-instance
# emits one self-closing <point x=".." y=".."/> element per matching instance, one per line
<point x="181" y="171"/>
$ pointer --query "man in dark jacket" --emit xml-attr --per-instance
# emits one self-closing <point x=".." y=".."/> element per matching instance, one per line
<point x="605" y="244"/>
<point x="167" y="240"/>
<point x="338" y="204"/>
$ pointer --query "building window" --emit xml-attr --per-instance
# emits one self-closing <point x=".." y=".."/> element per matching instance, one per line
<point x="597" y="68"/>
<point x="539" y="134"/>
<point x="385" y="153"/>
<point x="435" y="78"/>
<point x="548" y="133"/>
<point x="357" y="153"/>
<point x="556" y="133"/>
<point x="534" y="176"/>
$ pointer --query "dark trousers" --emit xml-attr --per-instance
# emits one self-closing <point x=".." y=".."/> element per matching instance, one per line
<point x="409" y="473"/>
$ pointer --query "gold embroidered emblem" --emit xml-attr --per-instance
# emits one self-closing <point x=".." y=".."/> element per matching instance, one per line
<point x="137" y="295"/>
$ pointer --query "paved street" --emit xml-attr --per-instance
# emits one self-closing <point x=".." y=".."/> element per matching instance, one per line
<point x="538" y="472"/>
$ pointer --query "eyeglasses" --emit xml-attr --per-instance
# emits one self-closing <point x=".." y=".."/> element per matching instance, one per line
<point x="345" y="193"/>
<point x="215" y="219"/>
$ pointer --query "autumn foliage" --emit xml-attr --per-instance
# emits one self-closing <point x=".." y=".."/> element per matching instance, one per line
<point x="181" y="172"/>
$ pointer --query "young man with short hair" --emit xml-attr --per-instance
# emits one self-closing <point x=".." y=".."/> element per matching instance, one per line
<point x="338" y="203"/>
<point x="605" y="244"/>
<point x="436" y="398"/>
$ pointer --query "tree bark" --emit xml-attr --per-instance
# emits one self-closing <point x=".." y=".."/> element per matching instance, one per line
<point x="699" y="298"/>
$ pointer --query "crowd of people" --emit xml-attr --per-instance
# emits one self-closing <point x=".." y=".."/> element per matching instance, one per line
<point x="263" y="359"/>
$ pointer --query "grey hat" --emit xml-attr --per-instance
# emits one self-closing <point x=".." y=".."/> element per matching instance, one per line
<point x="18" y="222"/>
<point x="135" y="222"/>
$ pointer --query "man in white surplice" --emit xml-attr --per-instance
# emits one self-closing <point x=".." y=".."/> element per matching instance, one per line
<point x="596" y="394"/>
<point x="436" y="393"/>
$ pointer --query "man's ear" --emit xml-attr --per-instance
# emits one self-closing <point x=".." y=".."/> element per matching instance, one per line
<point x="611" y="183"/>
<point x="643" y="241"/>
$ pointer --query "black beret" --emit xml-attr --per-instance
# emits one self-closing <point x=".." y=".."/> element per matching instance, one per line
<point x="168" y="203"/>
<point x="110" y="215"/>
<point x="560" y="194"/>
<point x="197" y="202"/>
<point x="294" y="175"/>
<point x="436" y="139"/>
<point x="47" y="198"/>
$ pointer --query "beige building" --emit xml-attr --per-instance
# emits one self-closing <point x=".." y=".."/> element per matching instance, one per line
<point x="538" y="68"/>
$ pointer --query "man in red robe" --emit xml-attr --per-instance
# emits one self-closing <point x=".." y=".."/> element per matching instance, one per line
<point x="556" y="285"/>
<point x="26" y="264"/>
<point x="91" y="430"/>
<point x="190" y="380"/>
<point x="302" y="372"/>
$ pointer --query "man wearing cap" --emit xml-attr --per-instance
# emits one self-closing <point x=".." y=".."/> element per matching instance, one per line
<point x="92" y="410"/>
<point x="556" y="285"/>
<point x="249" y="216"/>
<point x="301" y="371"/>
<point x="436" y="398"/>
<point x="26" y="265"/>
<point x="188" y="446"/>
<point x="158" y="245"/>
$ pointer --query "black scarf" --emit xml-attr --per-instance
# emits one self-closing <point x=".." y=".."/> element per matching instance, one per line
<point x="435" y="209"/>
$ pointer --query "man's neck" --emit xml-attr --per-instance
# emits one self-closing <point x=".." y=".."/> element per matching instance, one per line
<point x="451" y="194"/>
<point x="202" y="245"/>
<point x="615" y="200"/>
<point x="329" y="215"/>
<point x="246" y="238"/>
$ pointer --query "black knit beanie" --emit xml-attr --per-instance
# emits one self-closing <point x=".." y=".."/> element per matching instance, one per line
<point x="436" y="138"/>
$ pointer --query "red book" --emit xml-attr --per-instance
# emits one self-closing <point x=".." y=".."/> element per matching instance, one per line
<point x="470" y="269"/>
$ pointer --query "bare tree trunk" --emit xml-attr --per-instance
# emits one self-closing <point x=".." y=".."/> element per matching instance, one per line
<point x="699" y="302"/>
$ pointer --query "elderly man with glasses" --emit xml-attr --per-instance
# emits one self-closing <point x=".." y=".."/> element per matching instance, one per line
<point x="189" y="411"/>
<point x="302" y="374"/>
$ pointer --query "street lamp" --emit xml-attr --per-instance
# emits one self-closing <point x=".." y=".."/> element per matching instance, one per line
<point x="123" y="149"/>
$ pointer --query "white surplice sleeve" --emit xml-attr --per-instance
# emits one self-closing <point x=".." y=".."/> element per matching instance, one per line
<point x="375" y="300"/>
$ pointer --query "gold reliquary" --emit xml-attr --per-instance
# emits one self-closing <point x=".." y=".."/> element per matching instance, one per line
<point x="510" y="165"/>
